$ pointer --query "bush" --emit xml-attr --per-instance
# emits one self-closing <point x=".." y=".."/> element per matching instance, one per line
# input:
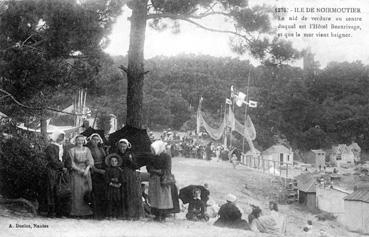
<point x="22" y="168"/>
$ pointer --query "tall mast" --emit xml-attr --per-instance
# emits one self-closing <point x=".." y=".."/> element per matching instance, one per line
<point x="246" y="105"/>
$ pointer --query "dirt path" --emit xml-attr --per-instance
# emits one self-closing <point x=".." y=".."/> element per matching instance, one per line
<point x="222" y="179"/>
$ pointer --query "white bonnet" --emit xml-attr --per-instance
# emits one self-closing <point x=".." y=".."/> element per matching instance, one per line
<point x="95" y="134"/>
<point x="158" y="147"/>
<point x="55" y="134"/>
<point x="231" y="198"/>
<point x="126" y="142"/>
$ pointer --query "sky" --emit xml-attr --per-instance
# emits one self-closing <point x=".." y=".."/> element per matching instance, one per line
<point x="193" y="40"/>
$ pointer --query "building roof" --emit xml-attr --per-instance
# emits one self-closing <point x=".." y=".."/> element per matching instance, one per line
<point x="276" y="149"/>
<point x="306" y="183"/>
<point x="318" y="151"/>
<point x="308" y="187"/>
<point x="341" y="148"/>
<point x="250" y="152"/>
<point x="359" y="195"/>
<point x="341" y="189"/>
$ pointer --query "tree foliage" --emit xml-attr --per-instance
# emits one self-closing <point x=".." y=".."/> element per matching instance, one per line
<point x="50" y="46"/>
<point x="310" y="113"/>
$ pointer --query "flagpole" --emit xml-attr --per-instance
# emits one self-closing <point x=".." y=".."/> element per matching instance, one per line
<point x="226" y="122"/>
<point x="246" y="105"/>
<point x="234" y="117"/>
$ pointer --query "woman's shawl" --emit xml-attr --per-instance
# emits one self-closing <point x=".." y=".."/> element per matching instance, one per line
<point x="268" y="224"/>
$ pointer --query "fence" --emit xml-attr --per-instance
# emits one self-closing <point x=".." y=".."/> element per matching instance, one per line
<point x="275" y="168"/>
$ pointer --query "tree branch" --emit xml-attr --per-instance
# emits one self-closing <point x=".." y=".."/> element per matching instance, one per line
<point x="184" y="18"/>
<point x="206" y="14"/>
<point x="123" y="68"/>
<point x="1" y="98"/>
<point x="32" y="207"/>
<point x="145" y="72"/>
<point x="35" y="108"/>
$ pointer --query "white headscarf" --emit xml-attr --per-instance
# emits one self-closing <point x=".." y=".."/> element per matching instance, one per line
<point x="95" y="134"/>
<point x="231" y="198"/>
<point x="126" y="142"/>
<point x="158" y="147"/>
<point x="55" y="134"/>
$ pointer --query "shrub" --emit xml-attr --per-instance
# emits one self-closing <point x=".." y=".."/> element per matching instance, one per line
<point x="22" y="167"/>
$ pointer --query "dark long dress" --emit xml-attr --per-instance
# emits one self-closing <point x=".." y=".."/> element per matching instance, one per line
<point x="131" y="191"/>
<point x="114" y="194"/>
<point x="98" y="182"/>
<point x="196" y="210"/>
<point x="230" y="216"/>
<point x="56" y="206"/>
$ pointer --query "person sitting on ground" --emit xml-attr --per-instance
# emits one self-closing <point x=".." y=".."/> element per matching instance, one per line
<point x="212" y="209"/>
<point x="196" y="208"/>
<point x="280" y="219"/>
<point x="186" y="193"/>
<point x="230" y="215"/>
<point x="271" y="224"/>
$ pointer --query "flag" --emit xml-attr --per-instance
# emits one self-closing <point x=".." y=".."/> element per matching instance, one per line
<point x="240" y="99"/>
<point x="249" y="128"/>
<point x="198" y="117"/>
<point x="233" y="93"/>
<point x="253" y="104"/>
<point x="228" y="101"/>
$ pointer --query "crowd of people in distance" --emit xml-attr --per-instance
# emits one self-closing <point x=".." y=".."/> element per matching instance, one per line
<point x="189" y="147"/>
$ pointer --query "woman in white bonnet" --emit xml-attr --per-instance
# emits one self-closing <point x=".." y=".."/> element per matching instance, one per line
<point x="131" y="192"/>
<point x="55" y="168"/>
<point x="160" y="196"/>
<point x="98" y="175"/>
<point x="230" y="215"/>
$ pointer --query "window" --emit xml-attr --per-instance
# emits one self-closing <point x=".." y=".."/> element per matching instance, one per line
<point x="339" y="157"/>
<point x="281" y="158"/>
<point x="288" y="157"/>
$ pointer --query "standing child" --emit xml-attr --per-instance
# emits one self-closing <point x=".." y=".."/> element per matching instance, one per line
<point x="114" y="182"/>
<point x="196" y="208"/>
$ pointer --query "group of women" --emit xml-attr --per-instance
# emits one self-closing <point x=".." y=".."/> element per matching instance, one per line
<point x="106" y="185"/>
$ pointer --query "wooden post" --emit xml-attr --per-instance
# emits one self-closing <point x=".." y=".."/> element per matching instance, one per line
<point x="246" y="105"/>
<point x="286" y="170"/>
<point x="286" y="174"/>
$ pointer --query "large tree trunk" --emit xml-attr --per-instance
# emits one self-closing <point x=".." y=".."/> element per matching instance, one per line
<point x="135" y="72"/>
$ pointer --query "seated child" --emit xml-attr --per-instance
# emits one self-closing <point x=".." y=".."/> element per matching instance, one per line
<point x="114" y="182"/>
<point x="196" y="208"/>
<point x="212" y="209"/>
